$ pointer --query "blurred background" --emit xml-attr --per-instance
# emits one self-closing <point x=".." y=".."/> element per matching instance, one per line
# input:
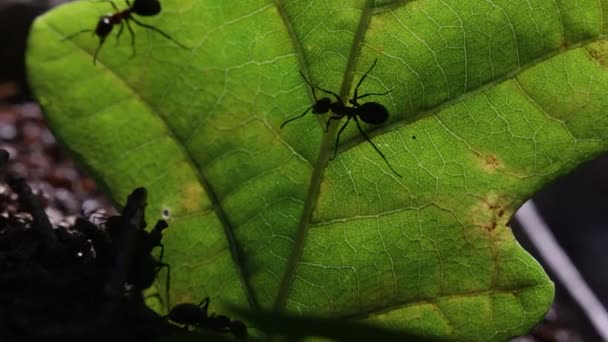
<point x="575" y="208"/>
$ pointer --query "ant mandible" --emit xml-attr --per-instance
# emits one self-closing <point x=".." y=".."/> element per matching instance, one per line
<point x="189" y="314"/>
<point x="106" y="23"/>
<point x="370" y="112"/>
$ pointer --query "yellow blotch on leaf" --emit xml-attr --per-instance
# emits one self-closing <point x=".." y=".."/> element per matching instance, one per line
<point x="192" y="197"/>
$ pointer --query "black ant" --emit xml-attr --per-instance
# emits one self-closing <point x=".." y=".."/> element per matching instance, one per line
<point x="370" y="112"/>
<point x="127" y="233"/>
<point x="189" y="314"/>
<point x="106" y="23"/>
<point x="146" y="267"/>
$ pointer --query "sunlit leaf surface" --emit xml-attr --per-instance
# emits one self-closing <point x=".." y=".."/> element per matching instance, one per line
<point x="491" y="100"/>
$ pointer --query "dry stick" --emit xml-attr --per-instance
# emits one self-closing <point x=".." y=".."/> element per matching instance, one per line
<point x="131" y="222"/>
<point x="3" y="162"/>
<point x="42" y="226"/>
<point x="561" y="265"/>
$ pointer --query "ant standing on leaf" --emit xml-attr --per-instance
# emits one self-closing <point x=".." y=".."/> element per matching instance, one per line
<point x="189" y="314"/>
<point x="370" y="112"/>
<point x="143" y="267"/>
<point x="144" y="8"/>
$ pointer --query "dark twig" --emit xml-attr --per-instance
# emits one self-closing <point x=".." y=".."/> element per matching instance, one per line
<point x="31" y="204"/>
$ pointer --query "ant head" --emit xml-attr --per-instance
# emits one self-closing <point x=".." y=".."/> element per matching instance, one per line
<point x="104" y="27"/>
<point x="373" y="113"/>
<point x="146" y="7"/>
<point x="321" y="106"/>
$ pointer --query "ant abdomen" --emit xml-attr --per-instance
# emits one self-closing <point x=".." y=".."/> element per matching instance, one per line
<point x="146" y="8"/>
<point x="186" y="313"/>
<point x="373" y="113"/>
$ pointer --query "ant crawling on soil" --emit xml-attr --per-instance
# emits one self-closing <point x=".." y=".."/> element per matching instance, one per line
<point x="105" y="24"/>
<point x="370" y="112"/>
<point x="189" y="314"/>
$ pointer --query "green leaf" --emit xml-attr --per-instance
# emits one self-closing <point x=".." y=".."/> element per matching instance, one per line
<point x="491" y="100"/>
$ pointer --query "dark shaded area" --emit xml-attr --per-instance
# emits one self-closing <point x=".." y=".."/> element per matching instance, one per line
<point x="576" y="209"/>
<point x="16" y="17"/>
<point x="299" y="327"/>
<point x="198" y="317"/>
<point x="72" y="282"/>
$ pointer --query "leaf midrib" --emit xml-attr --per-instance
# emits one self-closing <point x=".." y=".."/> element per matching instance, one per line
<point x="324" y="151"/>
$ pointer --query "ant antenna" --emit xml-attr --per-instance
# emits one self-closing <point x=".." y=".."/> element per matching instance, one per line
<point x="204" y="307"/>
<point x="363" y="78"/>
<point x="76" y="34"/>
<point x="353" y="101"/>
<point x="314" y="95"/>
<point x="297" y="117"/>
<point x="312" y="86"/>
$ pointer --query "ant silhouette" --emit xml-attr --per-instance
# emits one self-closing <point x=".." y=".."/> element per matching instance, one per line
<point x="369" y="112"/>
<point x="189" y="314"/>
<point x="106" y="23"/>
<point x="143" y="266"/>
<point x="146" y="266"/>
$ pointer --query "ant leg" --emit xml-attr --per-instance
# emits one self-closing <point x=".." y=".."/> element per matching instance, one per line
<point x="204" y="307"/>
<point x="76" y="34"/>
<point x="314" y="95"/>
<point x="168" y="284"/>
<point x="162" y="251"/>
<point x="363" y="78"/>
<point x="101" y="40"/>
<point x="297" y="117"/>
<point x="331" y="93"/>
<point x="338" y="138"/>
<point x="112" y="3"/>
<point x="139" y="23"/>
<point x="132" y="37"/>
<point x="167" y="281"/>
<point x="376" y="148"/>
<point x="329" y="121"/>
<point x="122" y="27"/>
